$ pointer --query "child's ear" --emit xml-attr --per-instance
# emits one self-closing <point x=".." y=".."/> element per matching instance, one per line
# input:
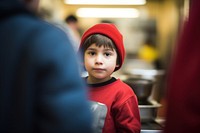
<point x="117" y="65"/>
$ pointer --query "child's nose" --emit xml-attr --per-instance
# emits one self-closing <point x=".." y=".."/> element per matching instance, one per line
<point x="98" y="59"/>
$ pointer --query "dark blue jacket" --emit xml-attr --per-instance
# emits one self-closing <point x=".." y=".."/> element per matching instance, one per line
<point x="41" y="89"/>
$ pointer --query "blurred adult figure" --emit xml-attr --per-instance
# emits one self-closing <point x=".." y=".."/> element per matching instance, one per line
<point x="183" y="97"/>
<point x="74" y="30"/>
<point x="41" y="89"/>
<point x="148" y="53"/>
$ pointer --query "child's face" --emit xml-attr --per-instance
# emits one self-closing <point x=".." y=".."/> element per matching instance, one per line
<point x="100" y="62"/>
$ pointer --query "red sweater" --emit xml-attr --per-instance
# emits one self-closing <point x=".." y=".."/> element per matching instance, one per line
<point x="121" y="107"/>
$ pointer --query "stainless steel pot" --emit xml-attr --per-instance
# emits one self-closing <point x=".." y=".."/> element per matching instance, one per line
<point x="141" y="87"/>
<point x="157" y="76"/>
<point x="149" y="112"/>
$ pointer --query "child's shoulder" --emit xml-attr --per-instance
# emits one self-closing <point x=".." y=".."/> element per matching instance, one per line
<point x="123" y="86"/>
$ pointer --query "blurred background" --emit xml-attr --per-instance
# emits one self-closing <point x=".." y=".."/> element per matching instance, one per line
<point x="150" y="28"/>
<point x="157" y="22"/>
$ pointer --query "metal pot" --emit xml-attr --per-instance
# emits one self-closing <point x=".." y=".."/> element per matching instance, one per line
<point x="157" y="76"/>
<point x="141" y="87"/>
<point x="149" y="112"/>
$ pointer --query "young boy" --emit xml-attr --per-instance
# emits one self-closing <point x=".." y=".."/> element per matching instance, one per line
<point x="114" y="103"/>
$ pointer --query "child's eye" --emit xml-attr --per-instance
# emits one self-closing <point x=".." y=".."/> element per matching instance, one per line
<point x="91" y="53"/>
<point x="107" y="54"/>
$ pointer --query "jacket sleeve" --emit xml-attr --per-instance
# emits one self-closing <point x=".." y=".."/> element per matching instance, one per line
<point x="61" y="97"/>
<point x="128" y="118"/>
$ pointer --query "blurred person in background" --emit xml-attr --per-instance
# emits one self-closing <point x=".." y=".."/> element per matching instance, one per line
<point x="183" y="97"/>
<point x="148" y="53"/>
<point x="74" y="30"/>
<point x="41" y="89"/>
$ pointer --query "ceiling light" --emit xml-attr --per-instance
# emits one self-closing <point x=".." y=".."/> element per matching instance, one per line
<point x="106" y="2"/>
<point x="107" y="12"/>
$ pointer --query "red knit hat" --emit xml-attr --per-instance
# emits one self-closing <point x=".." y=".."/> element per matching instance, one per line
<point x="110" y="31"/>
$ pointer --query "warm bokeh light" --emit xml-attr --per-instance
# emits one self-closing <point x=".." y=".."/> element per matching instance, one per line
<point x="106" y="2"/>
<point x="108" y="12"/>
